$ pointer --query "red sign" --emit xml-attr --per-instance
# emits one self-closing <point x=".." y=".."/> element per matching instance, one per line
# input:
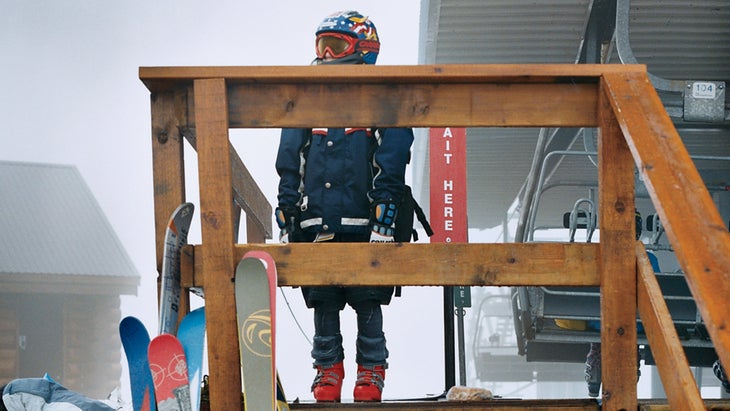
<point x="447" y="147"/>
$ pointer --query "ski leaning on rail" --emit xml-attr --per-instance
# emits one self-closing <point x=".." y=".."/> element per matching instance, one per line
<point x="256" y="315"/>
<point x="135" y="337"/>
<point x="136" y="340"/>
<point x="169" y="373"/>
<point x="136" y="343"/>
<point x="191" y="334"/>
<point x="176" y="236"/>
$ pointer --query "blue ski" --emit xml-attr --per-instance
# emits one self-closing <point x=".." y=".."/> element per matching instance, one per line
<point x="191" y="334"/>
<point x="136" y="340"/>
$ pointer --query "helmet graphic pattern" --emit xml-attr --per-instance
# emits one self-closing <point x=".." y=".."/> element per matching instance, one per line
<point x="354" y="24"/>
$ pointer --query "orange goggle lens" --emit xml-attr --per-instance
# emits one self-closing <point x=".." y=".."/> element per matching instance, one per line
<point x="339" y="45"/>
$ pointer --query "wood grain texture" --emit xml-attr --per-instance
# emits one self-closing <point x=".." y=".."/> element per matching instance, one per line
<point x="412" y="105"/>
<point x="168" y="166"/>
<point x="616" y="211"/>
<point x="677" y="378"/>
<point x="216" y="216"/>
<point x="165" y="78"/>
<point x="693" y="224"/>
<point x="415" y="264"/>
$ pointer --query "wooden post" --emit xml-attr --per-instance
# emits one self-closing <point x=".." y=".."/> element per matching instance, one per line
<point x="216" y="216"/>
<point x="168" y="165"/>
<point x="693" y="224"/>
<point x="617" y="263"/>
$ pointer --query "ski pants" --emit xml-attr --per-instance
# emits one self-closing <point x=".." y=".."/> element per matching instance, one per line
<point x="327" y="303"/>
<point x="370" y="344"/>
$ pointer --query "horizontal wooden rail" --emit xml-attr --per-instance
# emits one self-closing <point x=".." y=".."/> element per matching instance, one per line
<point x="678" y="381"/>
<point x="413" y="105"/>
<point x="307" y="264"/>
<point x="166" y="78"/>
<point x="417" y="96"/>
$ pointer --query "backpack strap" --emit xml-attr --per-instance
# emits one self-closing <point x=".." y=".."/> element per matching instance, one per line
<point x="422" y="218"/>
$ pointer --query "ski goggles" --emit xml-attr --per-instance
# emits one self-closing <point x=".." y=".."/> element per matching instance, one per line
<point x="340" y="45"/>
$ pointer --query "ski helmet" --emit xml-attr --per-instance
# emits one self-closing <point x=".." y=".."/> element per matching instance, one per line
<point x="347" y="37"/>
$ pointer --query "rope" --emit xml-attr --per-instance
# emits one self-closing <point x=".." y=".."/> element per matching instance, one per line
<point x="294" y="317"/>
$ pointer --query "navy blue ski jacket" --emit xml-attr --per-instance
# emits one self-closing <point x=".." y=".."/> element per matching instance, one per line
<point x="333" y="175"/>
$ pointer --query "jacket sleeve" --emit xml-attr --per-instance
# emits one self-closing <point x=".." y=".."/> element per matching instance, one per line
<point x="392" y="154"/>
<point x="290" y="165"/>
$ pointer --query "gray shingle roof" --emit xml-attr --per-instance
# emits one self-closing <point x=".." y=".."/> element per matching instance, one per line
<point x="51" y="224"/>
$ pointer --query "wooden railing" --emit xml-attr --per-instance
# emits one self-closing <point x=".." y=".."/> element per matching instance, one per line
<point x="203" y="103"/>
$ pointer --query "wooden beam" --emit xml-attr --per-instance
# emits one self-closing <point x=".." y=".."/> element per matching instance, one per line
<point x="491" y="405"/>
<point x="253" y="233"/>
<point x="302" y="264"/>
<point x="693" y="224"/>
<point x="413" y="105"/>
<point x="168" y="165"/>
<point x="216" y="215"/>
<point x="438" y="95"/>
<point x="617" y="263"/>
<point x="677" y="378"/>
<point x="166" y="78"/>
<point x="663" y="405"/>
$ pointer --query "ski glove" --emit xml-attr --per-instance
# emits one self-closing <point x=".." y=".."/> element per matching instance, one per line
<point x="382" y="222"/>
<point x="286" y="219"/>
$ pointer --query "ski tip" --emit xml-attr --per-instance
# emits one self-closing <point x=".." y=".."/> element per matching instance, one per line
<point x="265" y="257"/>
<point x="129" y="320"/>
<point x="185" y="208"/>
<point x="260" y="254"/>
<point x="131" y="324"/>
<point x="164" y="340"/>
<point x="191" y="319"/>
<point x="181" y="217"/>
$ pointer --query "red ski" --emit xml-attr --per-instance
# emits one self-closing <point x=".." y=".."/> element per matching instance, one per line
<point x="169" y="373"/>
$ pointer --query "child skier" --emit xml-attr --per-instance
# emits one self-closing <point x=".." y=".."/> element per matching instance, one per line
<point x="344" y="185"/>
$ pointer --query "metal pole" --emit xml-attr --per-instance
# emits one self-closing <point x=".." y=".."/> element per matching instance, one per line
<point x="460" y="313"/>
<point x="449" y="346"/>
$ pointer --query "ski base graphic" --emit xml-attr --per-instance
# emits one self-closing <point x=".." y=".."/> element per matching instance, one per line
<point x="169" y="373"/>
<point x="256" y="316"/>
<point x="176" y="236"/>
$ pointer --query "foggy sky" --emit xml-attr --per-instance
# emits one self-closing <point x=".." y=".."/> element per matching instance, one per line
<point x="71" y="95"/>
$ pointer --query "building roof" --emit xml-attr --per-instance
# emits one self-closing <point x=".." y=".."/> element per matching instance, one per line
<point x="52" y="228"/>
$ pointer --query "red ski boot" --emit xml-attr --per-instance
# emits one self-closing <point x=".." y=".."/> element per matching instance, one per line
<point x="327" y="385"/>
<point x="369" y="384"/>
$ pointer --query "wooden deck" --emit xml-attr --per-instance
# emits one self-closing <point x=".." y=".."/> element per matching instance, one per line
<point x="491" y="405"/>
<point x="202" y="103"/>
